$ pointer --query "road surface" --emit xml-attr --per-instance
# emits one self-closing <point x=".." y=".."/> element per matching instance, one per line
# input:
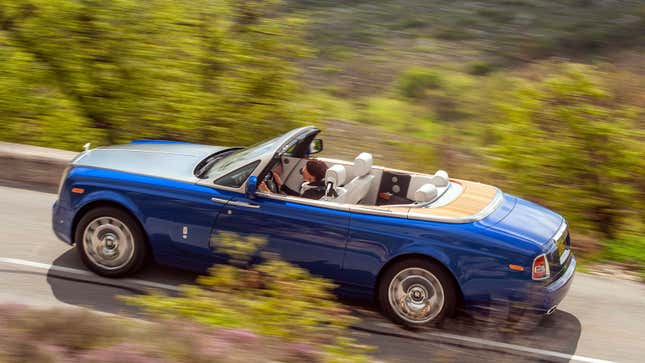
<point x="601" y="319"/>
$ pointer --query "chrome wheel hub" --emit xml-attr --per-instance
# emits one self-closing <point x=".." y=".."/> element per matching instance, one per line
<point x="416" y="295"/>
<point x="108" y="243"/>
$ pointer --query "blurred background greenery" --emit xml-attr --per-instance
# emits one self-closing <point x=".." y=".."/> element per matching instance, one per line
<point x="544" y="99"/>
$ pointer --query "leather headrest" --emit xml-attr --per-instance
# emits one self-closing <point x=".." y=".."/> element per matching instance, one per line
<point x="440" y="178"/>
<point x="363" y="164"/>
<point x="426" y="193"/>
<point x="336" y="175"/>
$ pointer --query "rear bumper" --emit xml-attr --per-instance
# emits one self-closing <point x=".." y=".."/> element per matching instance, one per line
<point x="62" y="223"/>
<point x="555" y="291"/>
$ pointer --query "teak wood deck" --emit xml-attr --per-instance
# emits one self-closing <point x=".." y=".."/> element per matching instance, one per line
<point x="473" y="199"/>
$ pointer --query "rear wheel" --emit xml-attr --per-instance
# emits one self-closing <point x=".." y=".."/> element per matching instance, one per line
<point x="110" y="242"/>
<point x="417" y="292"/>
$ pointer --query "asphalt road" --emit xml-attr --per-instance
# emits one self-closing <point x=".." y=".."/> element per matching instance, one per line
<point x="601" y="319"/>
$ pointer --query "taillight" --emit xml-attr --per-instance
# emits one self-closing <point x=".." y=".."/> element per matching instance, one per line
<point x="540" y="270"/>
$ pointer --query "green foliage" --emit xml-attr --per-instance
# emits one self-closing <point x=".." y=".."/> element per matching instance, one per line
<point x="568" y="146"/>
<point x="32" y="109"/>
<point x="273" y="298"/>
<point x="327" y="107"/>
<point x="505" y="33"/>
<point x="75" y="335"/>
<point x="628" y="248"/>
<point x="480" y="68"/>
<point x="414" y="82"/>
<point x="129" y="69"/>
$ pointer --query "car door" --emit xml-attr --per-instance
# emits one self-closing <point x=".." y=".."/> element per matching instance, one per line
<point x="301" y="231"/>
<point x="193" y="212"/>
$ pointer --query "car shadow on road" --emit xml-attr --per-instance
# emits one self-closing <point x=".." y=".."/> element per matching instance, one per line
<point x="86" y="289"/>
<point x="559" y="332"/>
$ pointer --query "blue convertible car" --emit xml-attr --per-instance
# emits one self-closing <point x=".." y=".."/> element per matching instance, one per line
<point x="420" y="244"/>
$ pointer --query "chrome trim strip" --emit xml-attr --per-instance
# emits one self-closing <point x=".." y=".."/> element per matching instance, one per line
<point x="560" y="233"/>
<point x="551" y="310"/>
<point x="564" y="256"/>
<point x="219" y="200"/>
<point x="306" y="201"/>
<point x="243" y="204"/>
<point x="365" y="209"/>
<point x="209" y="183"/>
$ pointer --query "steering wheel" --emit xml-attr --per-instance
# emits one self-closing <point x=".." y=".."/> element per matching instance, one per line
<point x="270" y="183"/>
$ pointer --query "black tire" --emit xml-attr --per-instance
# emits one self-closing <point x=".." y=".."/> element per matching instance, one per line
<point x="442" y="277"/>
<point x="123" y="223"/>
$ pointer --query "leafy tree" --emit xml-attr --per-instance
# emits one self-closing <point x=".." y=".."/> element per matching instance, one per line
<point x="567" y="144"/>
<point x="206" y="70"/>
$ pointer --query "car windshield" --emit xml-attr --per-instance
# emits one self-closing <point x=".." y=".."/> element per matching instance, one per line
<point x="242" y="157"/>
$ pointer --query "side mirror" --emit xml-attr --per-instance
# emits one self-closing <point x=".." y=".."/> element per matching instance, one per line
<point x="316" y="146"/>
<point x="251" y="187"/>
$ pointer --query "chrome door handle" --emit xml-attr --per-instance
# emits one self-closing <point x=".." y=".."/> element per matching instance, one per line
<point x="219" y="200"/>
<point x="244" y="204"/>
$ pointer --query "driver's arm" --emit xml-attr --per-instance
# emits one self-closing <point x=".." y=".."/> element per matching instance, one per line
<point x="283" y="188"/>
<point x="288" y="191"/>
<point x="263" y="188"/>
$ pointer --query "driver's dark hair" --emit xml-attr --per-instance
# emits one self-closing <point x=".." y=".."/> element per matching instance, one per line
<point x="317" y="169"/>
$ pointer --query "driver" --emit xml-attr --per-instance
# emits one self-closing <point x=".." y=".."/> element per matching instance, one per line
<point x="314" y="186"/>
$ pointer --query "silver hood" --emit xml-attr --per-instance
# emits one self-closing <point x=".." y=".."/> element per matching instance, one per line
<point x="160" y="159"/>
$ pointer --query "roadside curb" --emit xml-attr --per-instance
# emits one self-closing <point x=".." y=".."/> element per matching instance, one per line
<point x="33" y="165"/>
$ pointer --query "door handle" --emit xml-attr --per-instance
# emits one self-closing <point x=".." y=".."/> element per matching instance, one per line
<point x="219" y="200"/>
<point x="244" y="204"/>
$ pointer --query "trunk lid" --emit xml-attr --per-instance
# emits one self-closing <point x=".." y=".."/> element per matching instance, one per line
<point x="540" y="226"/>
<point x="530" y="222"/>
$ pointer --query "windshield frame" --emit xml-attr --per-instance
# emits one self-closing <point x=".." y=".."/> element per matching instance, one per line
<point x="239" y="158"/>
<point x="265" y="157"/>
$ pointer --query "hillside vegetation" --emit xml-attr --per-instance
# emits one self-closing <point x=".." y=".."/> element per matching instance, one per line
<point x="544" y="99"/>
<point x="363" y="45"/>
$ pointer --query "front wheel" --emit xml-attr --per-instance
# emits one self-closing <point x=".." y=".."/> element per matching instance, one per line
<point x="110" y="242"/>
<point x="417" y="292"/>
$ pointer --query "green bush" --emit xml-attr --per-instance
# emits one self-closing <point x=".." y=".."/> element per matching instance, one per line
<point x="628" y="248"/>
<point x="415" y="81"/>
<point x="480" y="68"/>
<point x="569" y="146"/>
<point x="79" y="336"/>
<point x="273" y="298"/>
